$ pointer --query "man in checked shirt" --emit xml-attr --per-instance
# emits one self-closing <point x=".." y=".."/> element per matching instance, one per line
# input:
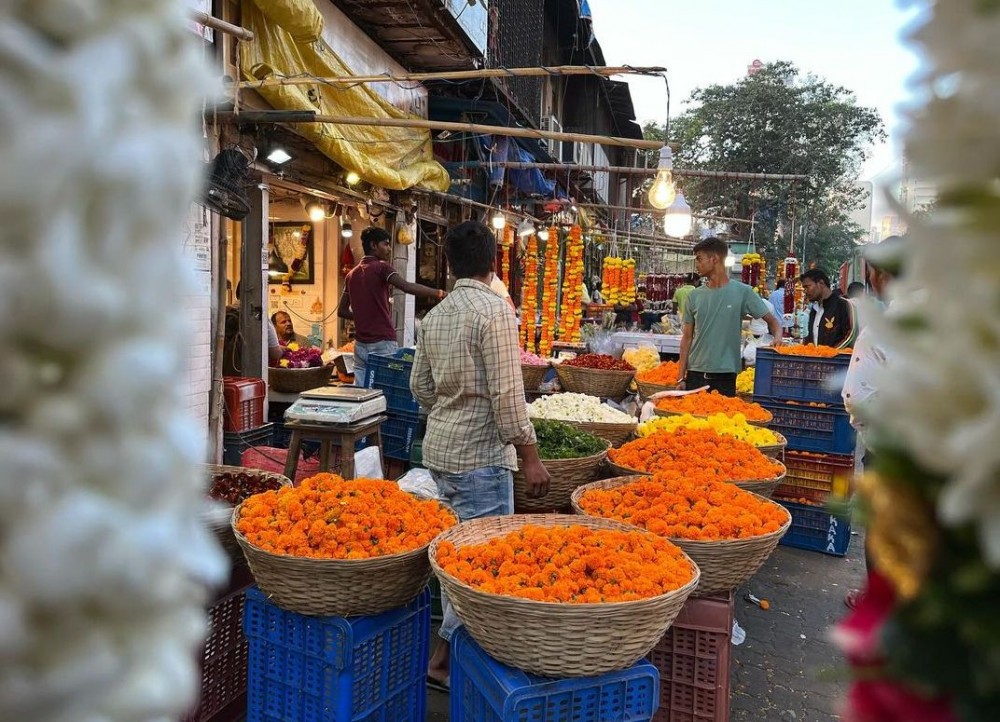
<point x="467" y="372"/>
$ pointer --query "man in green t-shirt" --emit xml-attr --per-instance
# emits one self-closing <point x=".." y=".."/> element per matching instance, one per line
<point x="713" y="322"/>
<point x="682" y="293"/>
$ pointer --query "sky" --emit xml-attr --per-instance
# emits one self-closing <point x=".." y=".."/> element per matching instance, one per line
<point x="858" y="44"/>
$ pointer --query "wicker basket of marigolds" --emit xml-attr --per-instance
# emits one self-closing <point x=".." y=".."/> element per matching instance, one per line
<point x="707" y="403"/>
<point x="572" y="457"/>
<point x="744" y="384"/>
<point x="533" y="370"/>
<point x="587" y="413"/>
<point x="558" y="595"/>
<point x="768" y="442"/>
<point x="596" y="374"/>
<point x="228" y="487"/>
<point x="728" y="532"/>
<point x="335" y="547"/>
<point x="662" y="377"/>
<point x="699" y="453"/>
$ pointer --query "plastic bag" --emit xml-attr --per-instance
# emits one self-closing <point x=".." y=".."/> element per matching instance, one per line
<point x="644" y="357"/>
<point x="368" y="464"/>
<point x="602" y="342"/>
<point x="419" y="482"/>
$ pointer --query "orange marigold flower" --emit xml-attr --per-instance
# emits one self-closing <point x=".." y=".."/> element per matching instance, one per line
<point x="679" y="508"/>
<point x="712" y="402"/>
<point x="665" y="374"/>
<point x="696" y="454"/>
<point x="811" y="350"/>
<point x="327" y="517"/>
<point x="598" y="565"/>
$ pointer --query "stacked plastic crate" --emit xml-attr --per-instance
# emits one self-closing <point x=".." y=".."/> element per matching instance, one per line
<point x="804" y="395"/>
<point x="391" y="374"/>
<point x="336" y="669"/>
<point x="243" y="420"/>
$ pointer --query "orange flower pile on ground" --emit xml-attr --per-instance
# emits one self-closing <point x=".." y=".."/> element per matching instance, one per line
<point x="327" y="517"/>
<point x="712" y="402"/>
<point x="684" y="509"/>
<point x="573" y="565"/>
<point x="696" y="454"/>
<point x="667" y="374"/>
<point x="811" y="350"/>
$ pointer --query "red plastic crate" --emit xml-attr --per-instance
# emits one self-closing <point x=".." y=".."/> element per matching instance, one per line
<point x="223" y="694"/>
<point x="244" y="397"/>
<point x="271" y="458"/>
<point x="693" y="661"/>
<point x="816" y="477"/>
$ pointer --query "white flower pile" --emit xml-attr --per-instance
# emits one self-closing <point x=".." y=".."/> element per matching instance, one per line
<point x="103" y="564"/>
<point x="940" y="395"/>
<point x="576" y="407"/>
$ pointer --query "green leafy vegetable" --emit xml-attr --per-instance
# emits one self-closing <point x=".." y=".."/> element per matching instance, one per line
<point x="557" y="440"/>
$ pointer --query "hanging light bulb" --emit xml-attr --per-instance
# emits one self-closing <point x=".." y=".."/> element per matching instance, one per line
<point x="543" y="234"/>
<point x="352" y="178"/>
<point x="316" y="211"/>
<point x="346" y="229"/>
<point x="525" y="228"/>
<point x="662" y="193"/>
<point x="677" y="220"/>
<point x="499" y="221"/>
<point x="730" y="261"/>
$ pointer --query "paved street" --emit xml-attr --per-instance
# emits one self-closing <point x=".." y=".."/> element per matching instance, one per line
<point x="787" y="669"/>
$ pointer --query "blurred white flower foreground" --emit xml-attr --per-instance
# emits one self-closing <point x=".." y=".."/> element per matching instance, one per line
<point x="103" y="564"/>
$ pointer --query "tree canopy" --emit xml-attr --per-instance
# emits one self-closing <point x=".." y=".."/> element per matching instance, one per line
<point x="779" y="120"/>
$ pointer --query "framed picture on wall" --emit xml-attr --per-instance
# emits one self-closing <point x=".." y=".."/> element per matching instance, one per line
<point x="290" y="253"/>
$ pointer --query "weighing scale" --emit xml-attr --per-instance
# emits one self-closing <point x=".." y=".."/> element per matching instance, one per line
<point x="341" y="405"/>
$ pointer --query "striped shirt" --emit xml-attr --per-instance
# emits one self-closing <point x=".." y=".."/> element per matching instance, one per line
<point x="467" y="372"/>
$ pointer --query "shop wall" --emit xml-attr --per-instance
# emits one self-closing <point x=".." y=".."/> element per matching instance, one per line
<point x="196" y="384"/>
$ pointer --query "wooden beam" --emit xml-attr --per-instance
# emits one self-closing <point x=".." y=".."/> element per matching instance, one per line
<point x="541" y="71"/>
<point x="222" y="26"/>
<point x="628" y="170"/>
<point x="647" y="211"/>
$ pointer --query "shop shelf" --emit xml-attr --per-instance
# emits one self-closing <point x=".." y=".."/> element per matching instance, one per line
<point x="244" y="407"/>
<point x="821" y="430"/>
<point x="234" y="443"/>
<point x="391" y="375"/>
<point x="800" y="378"/>
<point x="815" y="529"/>
<point x="398" y="434"/>
<point x="693" y="661"/>
<point x="484" y="690"/>
<point x="817" y="478"/>
<point x="334" y="669"/>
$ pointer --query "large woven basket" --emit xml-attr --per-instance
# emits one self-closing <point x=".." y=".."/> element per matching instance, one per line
<point x="745" y="397"/>
<point x="646" y="389"/>
<point x="724" y="565"/>
<point x="622" y="471"/>
<point x="567" y="475"/>
<point x="336" y="587"/>
<point x="533" y="376"/>
<point x="777" y="449"/>
<point x="615" y="434"/>
<point x="595" y="382"/>
<point x="218" y="517"/>
<point x="763" y="487"/>
<point x="662" y="412"/>
<point x="550" y="639"/>
<point x="295" y="381"/>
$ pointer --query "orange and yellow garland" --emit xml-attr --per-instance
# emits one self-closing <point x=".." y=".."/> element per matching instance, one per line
<point x="550" y="294"/>
<point x="627" y="281"/>
<point x="505" y="246"/>
<point x="618" y="281"/>
<point x="570" y="565"/>
<point x="529" y="299"/>
<point x="571" y="308"/>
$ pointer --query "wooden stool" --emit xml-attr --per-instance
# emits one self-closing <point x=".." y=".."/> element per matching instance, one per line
<point x="345" y="437"/>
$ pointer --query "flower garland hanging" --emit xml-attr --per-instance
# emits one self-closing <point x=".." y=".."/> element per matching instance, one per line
<point x="924" y="639"/>
<point x="529" y="298"/>
<point x="611" y="271"/>
<point x="571" y="308"/>
<point x="752" y="267"/>
<point x="550" y="293"/>
<point x="105" y="563"/>
<point x="626" y="281"/>
<point x="505" y="246"/>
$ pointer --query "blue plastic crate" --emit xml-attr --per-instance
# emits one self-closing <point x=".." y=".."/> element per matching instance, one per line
<point x="810" y="428"/>
<point x="399" y="431"/>
<point x="815" y="529"/>
<point x="334" y="669"/>
<point x="484" y="690"/>
<point x="391" y="375"/>
<point x="800" y="378"/>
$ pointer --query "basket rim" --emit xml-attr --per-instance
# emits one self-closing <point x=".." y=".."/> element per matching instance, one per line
<point x="584" y="369"/>
<point x="697" y="543"/>
<point x="583" y="606"/>
<point x="590" y="457"/>
<point x="320" y="562"/>
<point x="640" y="472"/>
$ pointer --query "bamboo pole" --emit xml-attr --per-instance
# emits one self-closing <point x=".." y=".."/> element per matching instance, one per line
<point x="628" y="170"/>
<point x="559" y="70"/>
<point x="632" y="209"/>
<point x="475" y="204"/>
<point x="267" y="116"/>
<point x="222" y="26"/>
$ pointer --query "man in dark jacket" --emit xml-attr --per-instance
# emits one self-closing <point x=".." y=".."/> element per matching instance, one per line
<point x="832" y="319"/>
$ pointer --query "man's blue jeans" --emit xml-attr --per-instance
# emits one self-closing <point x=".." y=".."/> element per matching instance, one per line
<point x="488" y="491"/>
<point x="361" y="352"/>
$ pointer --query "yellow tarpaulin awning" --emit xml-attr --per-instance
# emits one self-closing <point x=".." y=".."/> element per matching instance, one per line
<point x="288" y="42"/>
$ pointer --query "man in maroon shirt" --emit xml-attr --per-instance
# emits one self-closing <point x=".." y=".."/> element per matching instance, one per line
<point x="366" y="300"/>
